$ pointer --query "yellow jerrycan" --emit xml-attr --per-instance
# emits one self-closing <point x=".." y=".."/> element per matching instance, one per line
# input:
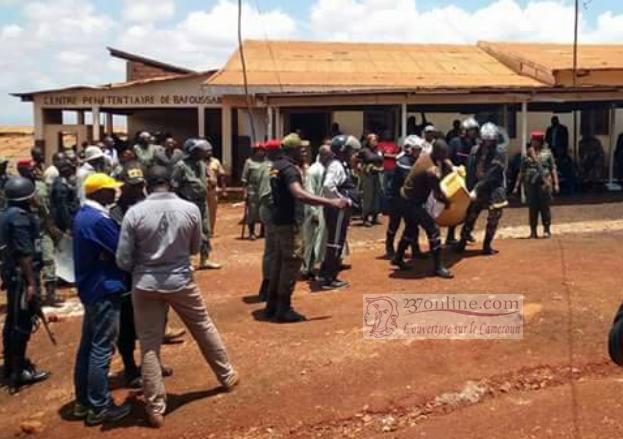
<point x="453" y="186"/>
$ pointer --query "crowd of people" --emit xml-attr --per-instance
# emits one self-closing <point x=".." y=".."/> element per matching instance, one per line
<point x="137" y="212"/>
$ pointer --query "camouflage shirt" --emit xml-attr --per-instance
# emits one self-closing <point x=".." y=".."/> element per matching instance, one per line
<point x="189" y="180"/>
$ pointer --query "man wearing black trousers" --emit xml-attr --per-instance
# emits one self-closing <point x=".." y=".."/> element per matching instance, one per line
<point x="338" y="183"/>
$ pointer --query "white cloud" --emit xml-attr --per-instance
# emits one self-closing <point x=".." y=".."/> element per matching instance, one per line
<point x="148" y="11"/>
<point x="400" y="20"/>
<point x="204" y="39"/>
<point x="62" y="42"/>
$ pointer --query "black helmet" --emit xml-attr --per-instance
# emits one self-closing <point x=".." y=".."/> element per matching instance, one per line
<point x="19" y="189"/>
<point x="342" y="142"/>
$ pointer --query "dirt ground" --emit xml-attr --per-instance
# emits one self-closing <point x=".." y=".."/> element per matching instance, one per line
<point x="321" y="378"/>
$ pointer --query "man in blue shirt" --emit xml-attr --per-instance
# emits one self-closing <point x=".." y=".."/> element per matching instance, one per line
<point x="100" y="286"/>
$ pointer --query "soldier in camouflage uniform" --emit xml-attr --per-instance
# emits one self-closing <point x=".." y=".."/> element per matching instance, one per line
<point x="145" y="150"/>
<point x="251" y="181"/>
<point x="273" y="151"/>
<point x="189" y="180"/>
<point x="539" y="176"/>
<point x="49" y="232"/>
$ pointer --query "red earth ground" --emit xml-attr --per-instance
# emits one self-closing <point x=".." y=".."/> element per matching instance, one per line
<point x="321" y="378"/>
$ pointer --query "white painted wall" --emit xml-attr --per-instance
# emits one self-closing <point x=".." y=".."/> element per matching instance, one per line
<point x="351" y="122"/>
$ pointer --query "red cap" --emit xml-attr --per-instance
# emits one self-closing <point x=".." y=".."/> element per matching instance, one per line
<point x="24" y="163"/>
<point x="537" y="135"/>
<point x="271" y="145"/>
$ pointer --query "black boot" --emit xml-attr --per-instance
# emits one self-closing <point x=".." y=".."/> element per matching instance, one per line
<point x="460" y="246"/>
<point x="486" y="248"/>
<point x="285" y="313"/>
<point x="263" y="293"/>
<point x="440" y="270"/>
<point x="416" y="252"/>
<point x="252" y="236"/>
<point x="398" y="259"/>
<point x="451" y="237"/>
<point x="533" y="233"/>
<point x="271" y="305"/>
<point x="389" y="246"/>
<point x="547" y="232"/>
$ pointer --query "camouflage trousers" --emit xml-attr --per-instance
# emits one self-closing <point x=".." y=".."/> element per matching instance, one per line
<point x="286" y="261"/>
<point x="48" y="270"/>
<point x="493" y="219"/>
<point x="539" y="201"/>
<point x="269" y="241"/>
<point x="206" y="231"/>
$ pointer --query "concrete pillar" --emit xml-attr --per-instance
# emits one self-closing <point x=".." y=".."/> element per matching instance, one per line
<point x="278" y="123"/>
<point x="39" y="132"/>
<point x="524" y="139"/>
<point x="226" y="134"/>
<point x="95" y="113"/>
<point x="269" y="125"/>
<point x="109" y="123"/>
<point x="201" y="121"/>
<point x="80" y="117"/>
<point x="403" y="121"/>
<point x="612" y="186"/>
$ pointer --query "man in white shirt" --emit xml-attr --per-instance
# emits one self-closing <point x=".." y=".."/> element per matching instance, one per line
<point x="94" y="161"/>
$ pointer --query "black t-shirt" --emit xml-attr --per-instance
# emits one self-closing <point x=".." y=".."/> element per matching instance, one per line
<point x="283" y="174"/>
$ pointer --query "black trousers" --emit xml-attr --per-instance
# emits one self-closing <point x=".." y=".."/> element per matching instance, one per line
<point x="337" y="221"/>
<point x="539" y="201"/>
<point x="17" y="328"/>
<point x="493" y="219"/>
<point x="416" y="216"/>
<point x="398" y="212"/>
<point x="126" y="341"/>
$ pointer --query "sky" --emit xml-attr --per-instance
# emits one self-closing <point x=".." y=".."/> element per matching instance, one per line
<point x="54" y="43"/>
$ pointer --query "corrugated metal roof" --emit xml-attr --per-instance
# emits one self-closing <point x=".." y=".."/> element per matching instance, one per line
<point x="285" y="65"/>
<point x="148" y="61"/>
<point x="555" y="57"/>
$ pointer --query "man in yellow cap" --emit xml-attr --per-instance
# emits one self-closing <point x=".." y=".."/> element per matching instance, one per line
<point x="101" y="285"/>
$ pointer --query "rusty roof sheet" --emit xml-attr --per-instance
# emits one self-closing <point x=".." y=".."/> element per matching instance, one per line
<point x="288" y="65"/>
<point x="555" y="57"/>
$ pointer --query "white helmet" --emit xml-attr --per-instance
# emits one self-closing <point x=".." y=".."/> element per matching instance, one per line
<point x="413" y="141"/>
<point x="489" y="131"/>
<point x="470" y="123"/>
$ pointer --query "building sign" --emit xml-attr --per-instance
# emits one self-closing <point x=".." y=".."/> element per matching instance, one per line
<point x="118" y="100"/>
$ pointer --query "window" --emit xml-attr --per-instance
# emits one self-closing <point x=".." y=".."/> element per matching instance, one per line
<point x="595" y="122"/>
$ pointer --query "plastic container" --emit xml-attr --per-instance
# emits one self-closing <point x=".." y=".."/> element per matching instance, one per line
<point x="453" y="186"/>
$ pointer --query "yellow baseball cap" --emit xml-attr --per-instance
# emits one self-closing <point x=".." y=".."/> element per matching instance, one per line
<point x="293" y="140"/>
<point x="99" y="181"/>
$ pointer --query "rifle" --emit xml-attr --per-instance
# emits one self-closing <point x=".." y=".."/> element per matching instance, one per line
<point x="39" y="316"/>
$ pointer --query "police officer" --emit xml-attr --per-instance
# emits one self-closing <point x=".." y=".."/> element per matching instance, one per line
<point x="411" y="149"/>
<point x="540" y="178"/>
<point x="485" y="179"/>
<point x="287" y="217"/>
<point x="338" y="184"/>
<point x="460" y="148"/>
<point x="189" y="180"/>
<point x="50" y="233"/>
<point x="4" y="163"/>
<point x="145" y="149"/>
<point x="21" y="240"/>
<point x="423" y="179"/>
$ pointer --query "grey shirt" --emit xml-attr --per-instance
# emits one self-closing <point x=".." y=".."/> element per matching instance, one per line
<point x="158" y="236"/>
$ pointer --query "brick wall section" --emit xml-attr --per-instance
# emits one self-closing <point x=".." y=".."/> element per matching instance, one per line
<point x="137" y="71"/>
